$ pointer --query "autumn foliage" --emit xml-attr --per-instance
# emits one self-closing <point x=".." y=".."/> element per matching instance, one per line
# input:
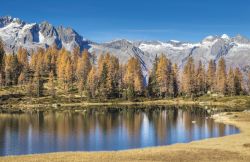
<point x="83" y="74"/>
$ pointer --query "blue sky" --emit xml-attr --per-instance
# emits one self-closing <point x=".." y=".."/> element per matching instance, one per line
<point x="105" y="20"/>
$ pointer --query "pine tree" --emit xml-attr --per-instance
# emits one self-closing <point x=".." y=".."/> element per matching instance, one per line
<point x="211" y="76"/>
<point x="221" y="77"/>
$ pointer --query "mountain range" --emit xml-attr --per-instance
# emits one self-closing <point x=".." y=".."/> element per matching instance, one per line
<point x="16" y="33"/>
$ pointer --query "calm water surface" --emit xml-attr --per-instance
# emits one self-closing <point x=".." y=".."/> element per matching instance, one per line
<point x="111" y="129"/>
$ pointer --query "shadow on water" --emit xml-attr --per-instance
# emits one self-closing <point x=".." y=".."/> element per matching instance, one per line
<point x="105" y="128"/>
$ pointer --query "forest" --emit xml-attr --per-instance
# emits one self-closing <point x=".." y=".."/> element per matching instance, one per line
<point x="53" y="72"/>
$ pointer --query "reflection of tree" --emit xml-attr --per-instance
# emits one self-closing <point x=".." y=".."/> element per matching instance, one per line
<point x="132" y="121"/>
<point x="53" y="130"/>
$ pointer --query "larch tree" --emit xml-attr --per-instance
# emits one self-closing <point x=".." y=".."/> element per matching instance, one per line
<point x="153" y="88"/>
<point x="92" y="82"/>
<point x="248" y="82"/>
<point x="113" y="75"/>
<point x="231" y="82"/>
<point x="188" y="78"/>
<point x="221" y="77"/>
<point x="200" y="79"/>
<point x="238" y="81"/>
<point x="163" y="73"/>
<point x="2" y="55"/>
<point x="61" y="67"/>
<point x="133" y="78"/>
<point x="174" y="84"/>
<point x="23" y="65"/>
<point x="38" y="83"/>
<point x="51" y="84"/>
<point x="69" y="75"/>
<point x="82" y="71"/>
<point x="211" y="76"/>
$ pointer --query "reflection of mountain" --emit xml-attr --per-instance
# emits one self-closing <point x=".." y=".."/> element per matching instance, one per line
<point x="106" y="130"/>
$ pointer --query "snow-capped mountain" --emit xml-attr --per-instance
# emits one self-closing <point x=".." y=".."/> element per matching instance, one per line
<point x="16" y="33"/>
<point x="236" y="50"/>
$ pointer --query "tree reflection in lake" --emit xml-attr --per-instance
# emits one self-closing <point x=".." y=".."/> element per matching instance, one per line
<point x="108" y="129"/>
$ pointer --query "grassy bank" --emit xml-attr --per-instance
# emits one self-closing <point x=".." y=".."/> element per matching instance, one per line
<point x="14" y="99"/>
<point x="228" y="148"/>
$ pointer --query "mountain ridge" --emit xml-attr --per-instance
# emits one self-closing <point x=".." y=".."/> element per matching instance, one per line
<point x="16" y="33"/>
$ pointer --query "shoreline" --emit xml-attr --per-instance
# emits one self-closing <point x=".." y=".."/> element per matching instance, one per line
<point x="228" y="148"/>
<point x="42" y="104"/>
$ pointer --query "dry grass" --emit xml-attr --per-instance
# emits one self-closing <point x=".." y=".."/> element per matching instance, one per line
<point x="228" y="148"/>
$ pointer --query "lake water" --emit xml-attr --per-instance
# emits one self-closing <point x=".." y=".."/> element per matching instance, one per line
<point x="110" y="129"/>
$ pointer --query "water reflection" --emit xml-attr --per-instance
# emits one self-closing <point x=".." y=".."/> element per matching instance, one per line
<point x="109" y="130"/>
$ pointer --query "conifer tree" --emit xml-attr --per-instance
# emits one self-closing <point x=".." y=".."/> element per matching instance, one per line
<point x="174" y="84"/>
<point x="238" y="81"/>
<point x="69" y="75"/>
<point x="211" y="76"/>
<point x="153" y="88"/>
<point x="2" y="54"/>
<point x="248" y="82"/>
<point x="221" y="77"/>
<point x="163" y="72"/>
<point x="82" y="71"/>
<point x="133" y="78"/>
<point x="51" y="84"/>
<point x="200" y="79"/>
<point x="231" y="82"/>
<point x="188" y="78"/>
<point x="38" y="83"/>
<point x="92" y="82"/>
<point x="103" y="90"/>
